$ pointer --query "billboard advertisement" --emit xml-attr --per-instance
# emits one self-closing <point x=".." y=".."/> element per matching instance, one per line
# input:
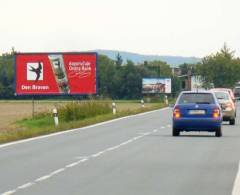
<point x="56" y="73"/>
<point x="156" y="85"/>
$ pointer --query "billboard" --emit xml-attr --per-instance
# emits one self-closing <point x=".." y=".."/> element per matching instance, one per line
<point x="56" y="73"/>
<point x="156" y="85"/>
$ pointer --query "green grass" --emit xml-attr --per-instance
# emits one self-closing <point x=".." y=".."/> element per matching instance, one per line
<point x="43" y="123"/>
<point x="82" y="110"/>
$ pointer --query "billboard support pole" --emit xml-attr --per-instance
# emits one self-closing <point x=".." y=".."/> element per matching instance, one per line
<point x="33" y="109"/>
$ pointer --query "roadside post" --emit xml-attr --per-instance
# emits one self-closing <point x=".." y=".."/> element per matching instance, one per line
<point x="114" y="108"/>
<point x="142" y="103"/>
<point x="55" y="116"/>
<point x="33" y="107"/>
<point x="166" y="99"/>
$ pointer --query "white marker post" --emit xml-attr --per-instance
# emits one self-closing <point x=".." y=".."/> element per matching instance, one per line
<point x="166" y="99"/>
<point x="142" y="102"/>
<point x="114" y="108"/>
<point x="55" y="116"/>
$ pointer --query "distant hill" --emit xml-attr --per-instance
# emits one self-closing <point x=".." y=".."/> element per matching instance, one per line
<point x="174" y="61"/>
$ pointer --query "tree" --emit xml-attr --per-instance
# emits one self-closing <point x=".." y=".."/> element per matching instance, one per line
<point x="187" y="68"/>
<point x="222" y="69"/>
<point x="131" y="82"/>
<point x="161" y="69"/>
<point x="107" y="71"/>
<point x="226" y="52"/>
<point x="119" y="60"/>
<point x="7" y="75"/>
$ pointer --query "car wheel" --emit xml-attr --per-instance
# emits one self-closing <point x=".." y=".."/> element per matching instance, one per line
<point x="218" y="132"/>
<point x="232" y="121"/>
<point x="175" y="132"/>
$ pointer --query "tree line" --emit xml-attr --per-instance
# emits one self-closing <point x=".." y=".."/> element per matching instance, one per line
<point x="221" y="69"/>
<point x="123" y="80"/>
<point x="120" y="80"/>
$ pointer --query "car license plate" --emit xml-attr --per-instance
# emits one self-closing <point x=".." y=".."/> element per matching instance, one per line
<point x="197" y="112"/>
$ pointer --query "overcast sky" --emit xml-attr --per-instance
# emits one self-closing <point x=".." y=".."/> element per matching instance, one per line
<point x="163" y="27"/>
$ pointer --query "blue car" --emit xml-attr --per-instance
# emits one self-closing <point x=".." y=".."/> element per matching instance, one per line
<point x="197" y="111"/>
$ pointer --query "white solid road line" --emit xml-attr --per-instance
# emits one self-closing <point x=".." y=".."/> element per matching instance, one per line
<point x="79" y="129"/>
<point x="9" y="192"/>
<point x="26" y="185"/>
<point x="236" y="186"/>
<point x="72" y="164"/>
<point x="57" y="171"/>
<point x="81" y="157"/>
<point x="43" y="178"/>
<point x="83" y="160"/>
<point x="98" y="154"/>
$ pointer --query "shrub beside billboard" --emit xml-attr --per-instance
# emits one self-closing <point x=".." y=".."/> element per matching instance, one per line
<point x="56" y="73"/>
<point x="156" y="85"/>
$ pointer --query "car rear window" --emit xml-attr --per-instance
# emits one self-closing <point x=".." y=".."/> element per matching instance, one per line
<point x="237" y="90"/>
<point x="222" y="95"/>
<point x="196" y="98"/>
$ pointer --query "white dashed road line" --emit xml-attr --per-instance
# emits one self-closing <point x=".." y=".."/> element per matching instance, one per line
<point x="58" y="171"/>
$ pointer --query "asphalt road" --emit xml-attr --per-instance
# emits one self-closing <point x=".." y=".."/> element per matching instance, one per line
<point x="135" y="155"/>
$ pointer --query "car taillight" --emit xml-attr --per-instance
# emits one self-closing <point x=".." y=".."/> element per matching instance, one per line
<point x="176" y="113"/>
<point x="216" y="113"/>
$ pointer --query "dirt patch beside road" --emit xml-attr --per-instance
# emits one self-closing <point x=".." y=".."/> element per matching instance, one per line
<point x="11" y="111"/>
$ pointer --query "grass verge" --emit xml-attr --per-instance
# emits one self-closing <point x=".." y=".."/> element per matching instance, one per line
<point x="43" y="124"/>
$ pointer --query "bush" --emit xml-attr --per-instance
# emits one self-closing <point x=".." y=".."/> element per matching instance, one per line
<point x="81" y="110"/>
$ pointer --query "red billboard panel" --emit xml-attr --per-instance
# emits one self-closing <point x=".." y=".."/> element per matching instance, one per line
<point x="56" y="73"/>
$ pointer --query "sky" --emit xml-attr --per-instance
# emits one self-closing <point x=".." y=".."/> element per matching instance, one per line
<point x="162" y="27"/>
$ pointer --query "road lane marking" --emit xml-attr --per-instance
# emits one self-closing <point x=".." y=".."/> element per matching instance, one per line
<point x="83" y="160"/>
<point x="113" y="148"/>
<point x="138" y="137"/>
<point x="110" y="149"/>
<point x="43" y="178"/>
<point x="125" y="143"/>
<point x="72" y="164"/>
<point x="98" y="154"/>
<point x="26" y="185"/>
<point x="9" y="192"/>
<point x="78" y="129"/>
<point x="81" y="157"/>
<point x="236" y="186"/>
<point x="58" y="171"/>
